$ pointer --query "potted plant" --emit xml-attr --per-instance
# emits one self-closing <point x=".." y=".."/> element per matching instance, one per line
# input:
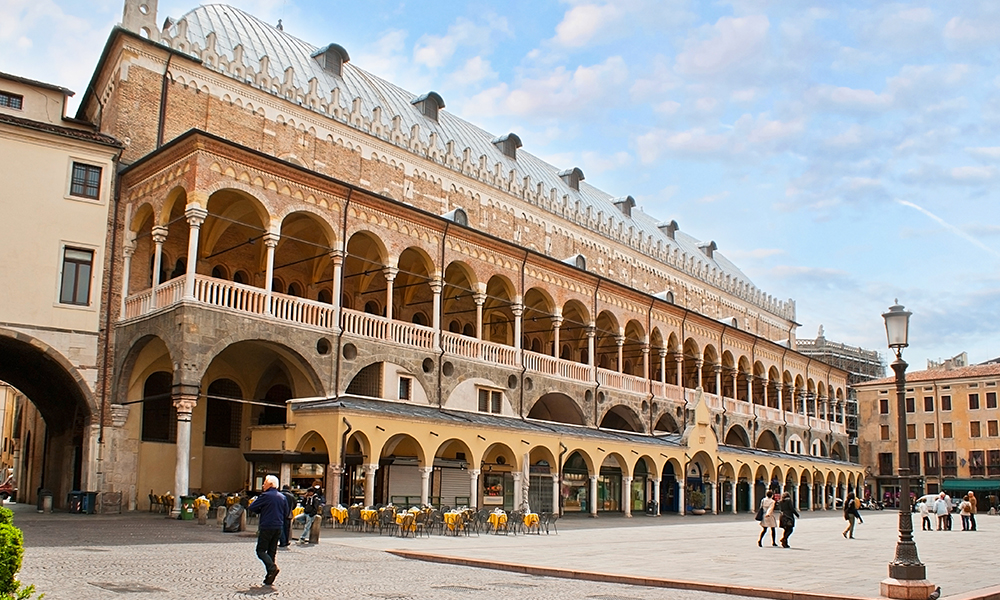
<point x="696" y="499"/>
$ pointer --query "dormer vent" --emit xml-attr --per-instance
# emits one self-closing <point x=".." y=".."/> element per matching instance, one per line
<point x="708" y="248"/>
<point x="572" y="177"/>
<point x="669" y="229"/>
<point x="508" y="144"/>
<point x="731" y="322"/>
<point x="429" y="104"/>
<point x="458" y="215"/>
<point x="332" y="58"/>
<point x="666" y="295"/>
<point x="577" y="260"/>
<point x="625" y="204"/>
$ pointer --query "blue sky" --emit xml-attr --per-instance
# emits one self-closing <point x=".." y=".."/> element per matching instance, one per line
<point x="842" y="154"/>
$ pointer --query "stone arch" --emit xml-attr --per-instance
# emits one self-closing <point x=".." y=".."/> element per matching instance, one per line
<point x="312" y="442"/>
<point x="363" y="273"/>
<point x="403" y="444"/>
<point x="666" y="423"/>
<point x="622" y="417"/>
<point x="737" y="436"/>
<point x="767" y="441"/>
<point x="573" y="332"/>
<point x="557" y="407"/>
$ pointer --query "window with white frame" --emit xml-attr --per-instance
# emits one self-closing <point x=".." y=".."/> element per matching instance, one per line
<point x="405" y="388"/>
<point x="77" y="266"/>
<point x="490" y="401"/>
<point x="9" y="100"/>
<point x="85" y="181"/>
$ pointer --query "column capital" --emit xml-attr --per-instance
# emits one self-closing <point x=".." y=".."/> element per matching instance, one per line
<point x="390" y="273"/>
<point x="160" y="234"/>
<point x="479" y="298"/>
<point x="645" y="348"/>
<point x="128" y="248"/>
<point x="474" y="473"/>
<point x="557" y="320"/>
<point x="662" y="352"/>
<point x="436" y="285"/>
<point x="195" y="214"/>
<point x="717" y="367"/>
<point x="370" y="469"/>
<point x="516" y="475"/>
<point x="185" y="405"/>
<point x="517" y="309"/>
<point x="593" y="477"/>
<point x="271" y="239"/>
<point x="425" y="472"/>
<point x="337" y="256"/>
<point x="619" y="340"/>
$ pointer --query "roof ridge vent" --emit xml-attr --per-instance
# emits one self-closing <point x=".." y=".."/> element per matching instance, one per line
<point x="508" y="144"/>
<point x="708" y="248"/>
<point x="332" y="58"/>
<point x="669" y="229"/>
<point x="429" y="104"/>
<point x="572" y="177"/>
<point x="457" y="215"/>
<point x="624" y="204"/>
<point x="577" y="260"/>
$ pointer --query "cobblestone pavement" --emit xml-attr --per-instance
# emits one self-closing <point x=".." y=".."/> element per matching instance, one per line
<point x="140" y="555"/>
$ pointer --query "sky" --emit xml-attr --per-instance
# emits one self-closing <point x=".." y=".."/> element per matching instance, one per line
<point x="843" y="155"/>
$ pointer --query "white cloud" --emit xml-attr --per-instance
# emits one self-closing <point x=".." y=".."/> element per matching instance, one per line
<point x="962" y="31"/>
<point x="584" y="22"/>
<point x="985" y="152"/>
<point x="848" y="98"/>
<point x="434" y="51"/>
<point x="697" y="141"/>
<point x="973" y="174"/>
<point x="474" y="70"/>
<point x="668" y="107"/>
<point x="730" y="43"/>
<point x="709" y="199"/>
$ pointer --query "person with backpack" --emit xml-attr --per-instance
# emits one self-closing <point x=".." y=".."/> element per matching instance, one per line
<point x="286" y="527"/>
<point x="311" y="504"/>
<point x="851" y="514"/>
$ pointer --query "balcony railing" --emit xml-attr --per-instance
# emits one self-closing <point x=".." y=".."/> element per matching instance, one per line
<point x="621" y="381"/>
<point x="380" y="328"/>
<point x="557" y="367"/>
<point x="469" y="347"/>
<point x="738" y="406"/>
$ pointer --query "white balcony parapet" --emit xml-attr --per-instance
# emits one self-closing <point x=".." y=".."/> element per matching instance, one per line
<point x="227" y="294"/>
<point x="549" y="365"/>
<point x="139" y="304"/>
<point x="622" y="381"/>
<point x="470" y="347"/>
<point x="738" y="406"/>
<point x="390" y="330"/>
<point x="796" y="419"/>
<point x="817" y="423"/>
<point x="770" y="414"/>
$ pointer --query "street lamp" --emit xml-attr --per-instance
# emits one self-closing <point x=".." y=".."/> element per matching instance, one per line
<point x="907" y="575"/>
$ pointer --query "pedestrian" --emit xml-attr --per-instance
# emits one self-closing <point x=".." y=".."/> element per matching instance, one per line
<point x="787" y="519"/>
<point x="851" y="514"/>
<point x="286" y="527"/>
<point x="941" y="508"/>
<point x="272" y="508"/>
<point x="311" y="505"/>
<point x="947" y="520"/>
<point x="972" y="511"/>
<point x="963" y="509"/>
<point x="767" y="520"/>
<point x="925" y="516"/>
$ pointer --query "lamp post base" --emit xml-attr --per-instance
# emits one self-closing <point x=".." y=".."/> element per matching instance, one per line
<point x="907" y="589"/>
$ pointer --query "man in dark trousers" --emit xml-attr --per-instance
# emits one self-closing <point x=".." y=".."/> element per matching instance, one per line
<point x="272" y="508"/>
<point x="787" y="519"/>
<point x="286" y="528"/>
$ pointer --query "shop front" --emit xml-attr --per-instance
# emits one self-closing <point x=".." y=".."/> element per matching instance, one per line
<point x="575" y="485"/>
<point x="298" y="470"/>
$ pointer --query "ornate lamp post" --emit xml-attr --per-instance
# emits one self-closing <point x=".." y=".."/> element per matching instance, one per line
<point x="907" y="575"/>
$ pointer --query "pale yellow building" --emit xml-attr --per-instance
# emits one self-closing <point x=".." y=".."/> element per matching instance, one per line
<point x="952" y="432"/>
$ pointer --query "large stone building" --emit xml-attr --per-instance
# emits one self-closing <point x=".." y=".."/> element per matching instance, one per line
<point x="952" y="431"/>
<point x="325" y="276"/>
<point x="57" y="199"/>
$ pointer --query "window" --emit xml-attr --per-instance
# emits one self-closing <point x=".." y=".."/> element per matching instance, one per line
<point x="86" y="181"/>
<point x="945" y="402"/>
<point x="993" y="462"/>
<point x="946" y="430"/>
<point x="930" y="463"/>
<point x="77" y="267"/>
<point x="991" y="429"/>
<point x="884" y="432"/>
<point x="914" y="463"/>
<point x="929" y="430"/>
<point x="159" y="417"/>
<point x="490" y="401"/>
<point x="911" y="431"/>
<point x="991" y="399"/>
<point x="910" y="405"/>
<point x="8" y="100"/>
<point x="949" y="463"/>
<point x="883" y="406"/>
<point x="977" y="462"/>
<point x="223" y="418"/>
<point x="928" y="403"/>
<point x="973" y="401"/>
<point x="885" y="463"/>
<point x="974" y="430"/>
<point x="405" y="388"/>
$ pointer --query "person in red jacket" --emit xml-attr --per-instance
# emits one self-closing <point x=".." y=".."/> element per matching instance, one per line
<point x="272" y="508"/>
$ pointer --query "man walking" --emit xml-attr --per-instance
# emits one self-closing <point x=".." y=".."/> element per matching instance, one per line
<point x="972" y="511"/>
<point x="272" y="508"/>
<point x="286" y="527"/>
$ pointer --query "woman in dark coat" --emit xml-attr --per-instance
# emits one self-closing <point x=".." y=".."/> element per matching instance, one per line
<point x="851" y="514"/>
<point x="787" y="519"/>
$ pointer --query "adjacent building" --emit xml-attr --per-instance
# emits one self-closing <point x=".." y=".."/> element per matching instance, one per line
<point x="952" y="429"/>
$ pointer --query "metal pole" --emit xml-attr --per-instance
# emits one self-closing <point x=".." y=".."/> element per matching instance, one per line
<point x="906" y="565"/>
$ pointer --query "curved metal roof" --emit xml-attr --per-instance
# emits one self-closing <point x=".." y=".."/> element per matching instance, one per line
<point x="233" y="27"/>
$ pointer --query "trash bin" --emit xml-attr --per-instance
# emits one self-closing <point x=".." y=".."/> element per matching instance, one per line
<point x="88" y="502"/>
<point x="651" y="508"/>
<point x="75" y="501"/>
<point x="187" y="508"/>
<point x="44" y="501"/>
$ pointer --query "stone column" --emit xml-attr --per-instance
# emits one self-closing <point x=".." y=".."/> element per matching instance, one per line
<point x="627" y="496"/>
<point x="182" y="470"/>
<point x="556" y="493"/>
<point x="271" y="242"/>
<point x="698" y="364"/>
<point x="591" y="343"/>
<point x="285" y="475"/>
<point x="765" y="388"/>
<point x="516" y="476"/>
<point x="556" y="324"/>
<point x="645" y="360"/>
<point x="593" y="495"/>
<point x="753" y="501"/>
<point x="195" y="215"/>
<point x="620" y="344"/>
<point x="337" y="258"/>
<point x="159" y="237"/>
<point x="656" y="495"/>
<point x="436" y="286"/>
<point x="781" y="398"/>
<point x="715" y="497"/>
<point x="681" y="489"/>
<point x="717" y="368"/>
<point x="518" y="310"/>
<point x="334" y="485"/>
<point x="732" y="489"/>
<point x="749" y="377"/>
<point x="679" y="359"/>
<point x="473" y="488"/>
<point x="425" y="485"/>
<point x="663" y="365"/>
<point x="736" y="387"/>
<point x="127" y="251"/>
<point x="390" y="276"/>
<point x="370" y="484"/>
<point x="480" y="299"/>
<point x="812" y="487"/>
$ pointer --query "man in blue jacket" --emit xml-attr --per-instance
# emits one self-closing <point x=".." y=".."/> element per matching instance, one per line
<point x="272" y="508"/>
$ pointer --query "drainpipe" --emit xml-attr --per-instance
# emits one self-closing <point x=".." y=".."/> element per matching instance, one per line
<point x="649" y="380"/>
<point x="340" y="336"/>
<point x="562" y="452"/>
<point x="343" y="457"/>
<point x="683" y="393"/>
<point x="722" y="398"/>
<point x="162" y="117"/>
<point x="440" y="369"/>
<point x="524" y="367"/>
<point x="593" y="359"/>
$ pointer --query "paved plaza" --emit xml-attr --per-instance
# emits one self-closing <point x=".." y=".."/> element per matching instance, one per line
<point x="141" y="555"/>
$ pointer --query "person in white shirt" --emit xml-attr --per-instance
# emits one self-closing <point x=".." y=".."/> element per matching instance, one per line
<point x="941" y="508"/>
<point x="925" y="517"/>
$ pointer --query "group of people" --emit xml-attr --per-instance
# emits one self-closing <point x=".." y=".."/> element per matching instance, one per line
<point x="785" y="507"/>
<point x="276" y="510"/>
<point x="941" y="508"/>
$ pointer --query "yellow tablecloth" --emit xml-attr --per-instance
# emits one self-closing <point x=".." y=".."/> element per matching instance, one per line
<point x="338" y="514"/>
<point x="402" y="516"/>
<point x="369" y="516"/>
<point x="531" y="519"/>
<point x="298" y="510"/>
<point x="452" y="520"/>
<point x="498" y="520"/>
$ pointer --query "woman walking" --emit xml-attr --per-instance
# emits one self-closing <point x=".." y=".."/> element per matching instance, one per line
<point x="787" y="519"/>
<point x="851" y="514"/>
<point x="767" y="521"/>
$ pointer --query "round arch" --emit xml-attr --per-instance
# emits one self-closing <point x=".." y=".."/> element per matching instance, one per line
<point x="622" y="418"/>
<point x="557" y="407"/>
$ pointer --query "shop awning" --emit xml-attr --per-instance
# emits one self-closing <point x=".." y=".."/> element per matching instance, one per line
<point x="970" y="485"/>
